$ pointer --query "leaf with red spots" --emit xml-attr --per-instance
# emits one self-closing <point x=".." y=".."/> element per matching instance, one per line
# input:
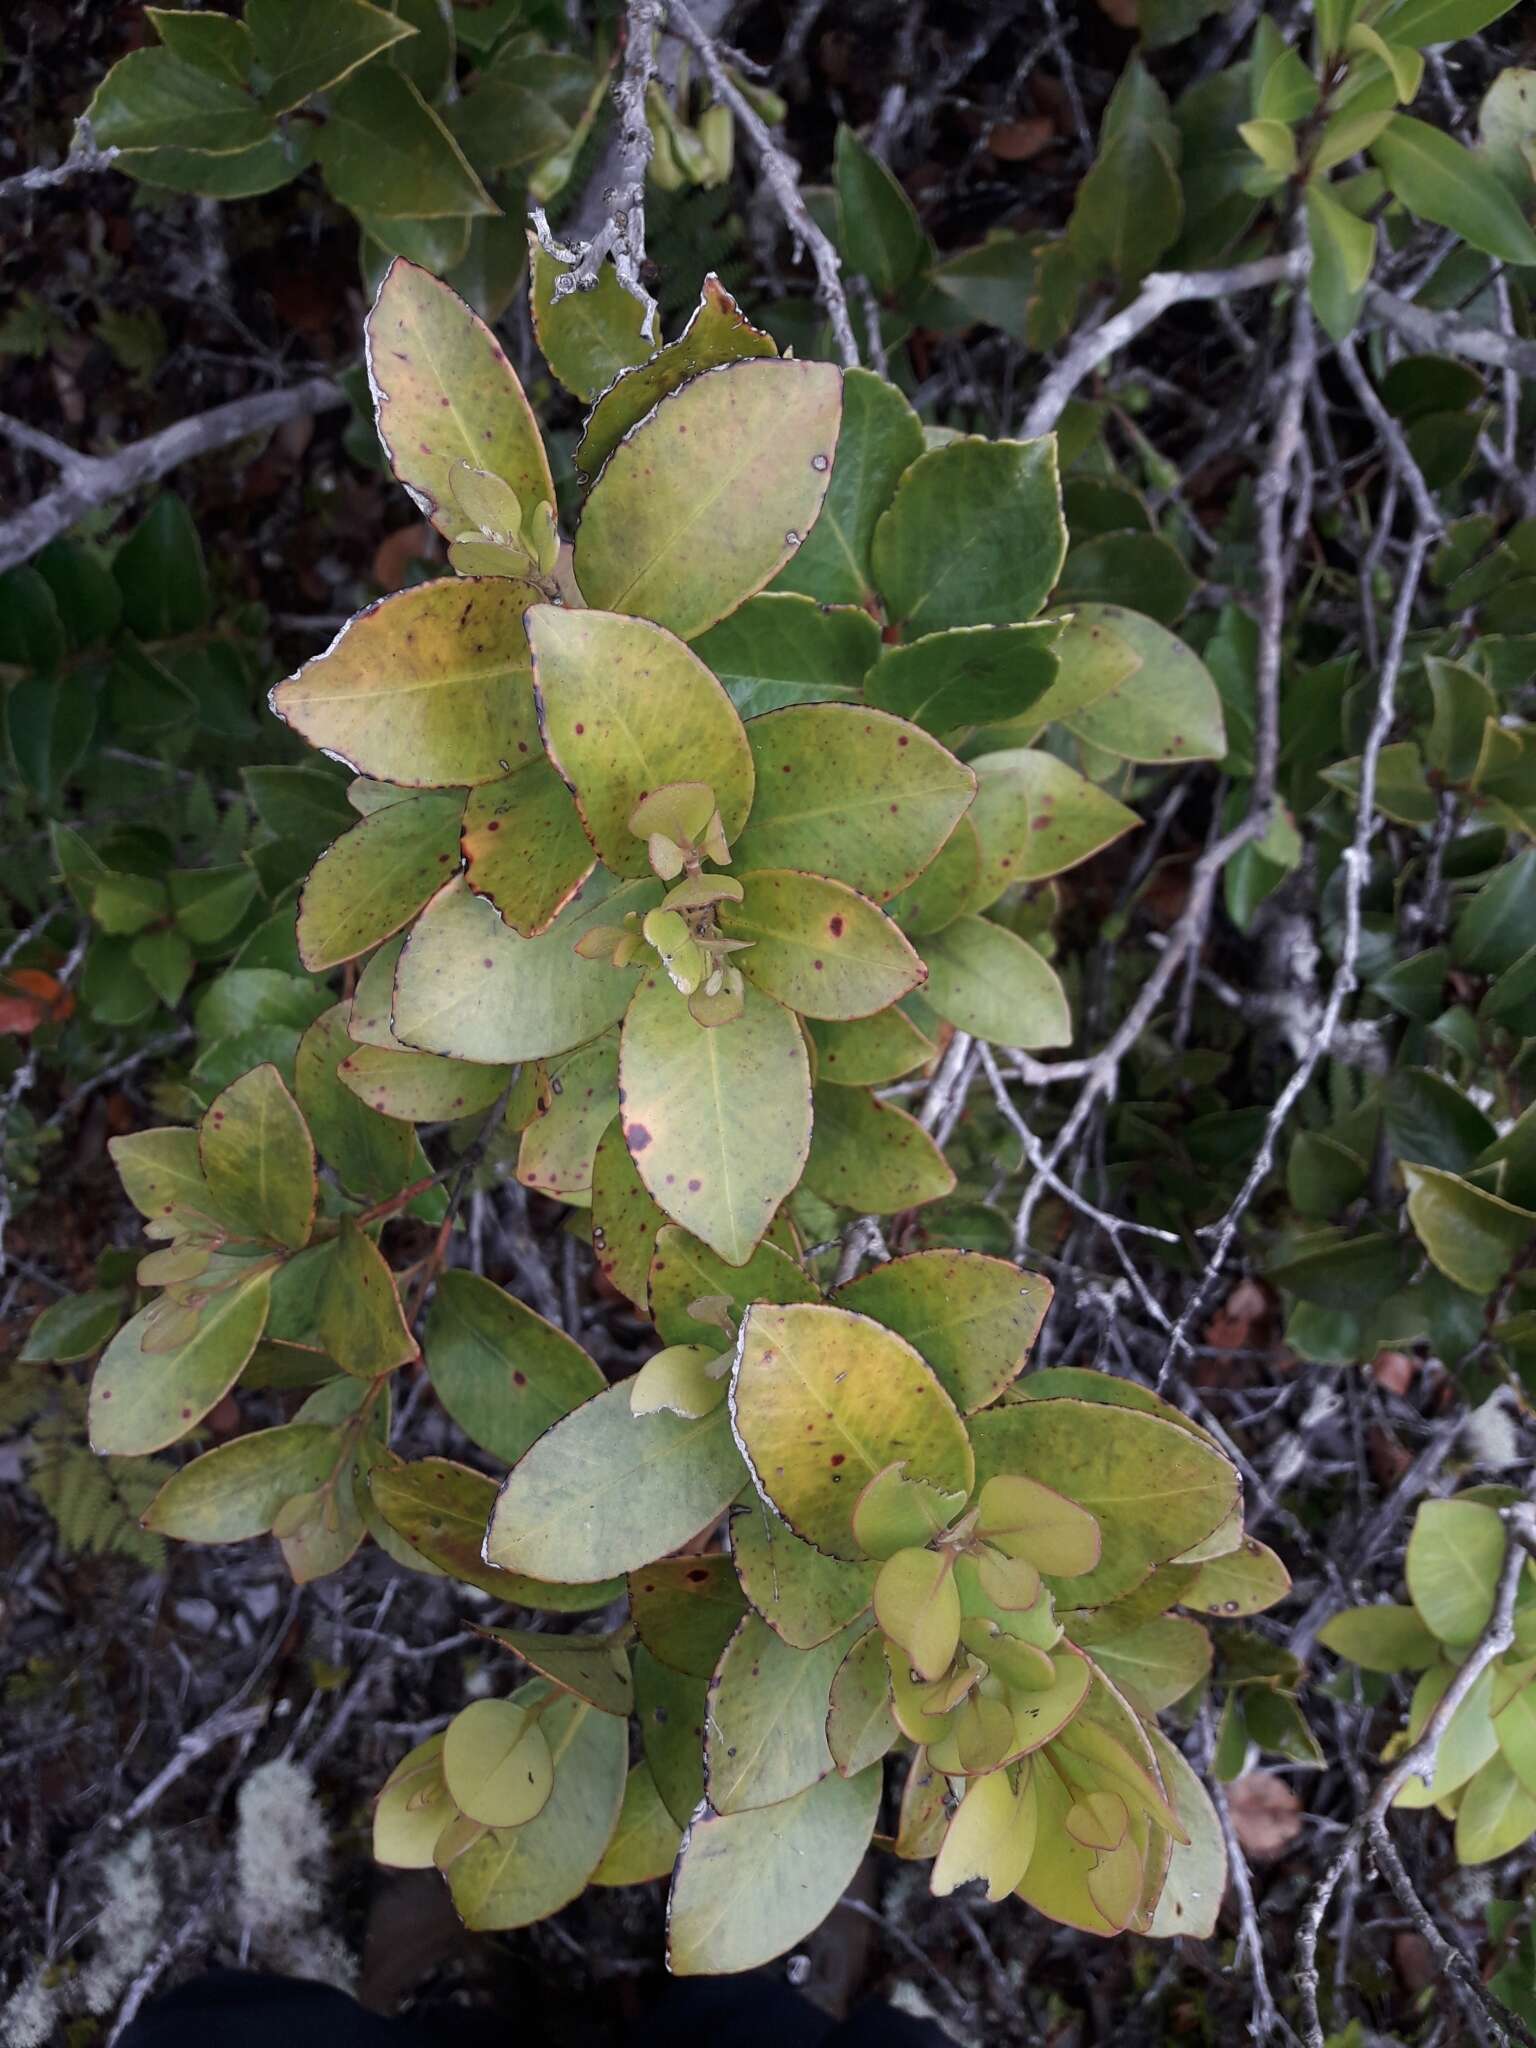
<point x="595" y="1668"/>
<point x="803" y="1595"/>
<point x="362" y="1324"/>
<point x="823" y="1400"/>
<point x="143" y="1399"/>
<point x="1168" y="709"/>
<point x="867" y="1052"/>
<point x="469" y="987"/>
<point x="971" y="675"/>
<point x="686" y="1610"/>
<point x="524" y="847"/>
<point x="502" y="1372"/>
<point x="717" y="332"/>
<point x="625" y="1220"/>
<point x="869" y="1155"/>
<point x="818" y="946"/>
<point x="162" y="1175"/>
<point x="377" y="876"/>
<point x="259" y="1160"/>
<point x="1037" y="817"/>
<point x="420" y="1087"/>
<point x="850" y="793"/>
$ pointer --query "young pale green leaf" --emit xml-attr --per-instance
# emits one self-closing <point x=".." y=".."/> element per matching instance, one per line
<point x="162" y="1174"/>
<point x="985" y="979"/>
<point x="588" y="338"/>
<point x="496" y="1763"/>
<point x="594" y="1668"/>
<point x="881" y="436"/>
<point x="1380" y="1638"/>
<point x="803" y="1595"/>
<point x="765" y="1739"/>
<point x="685" y="1610"/>
<point x="716" y="333"/>
<point x="850" y="793"/>
<point x="992" y="1835"/>
<point x="1466" y="1743"/>
<point x="303" y="49"/>
<point x="1154" y="1488"/>
<point x="869" y="1051"/>
<point x="646" y="1841"/>
<point x="679" y="1381"/>
<point x="718" y="1122"/>
<point x="918" y="1607"/>
<point x="362" y="1324"/>
<point x="387" y="155"/>
<point x="1026" y="1519"/>
<point x="822" y="1400"/>
<point x="420" y="1087"/>
<point x="869" y="1155"/>
<point x="1452" y="1566"/>
<point x="973" y="537"/>
<point x="625" y="1220"/>
<point x="377" y="876"/>
<point x="1470" y="1234"/>
<point x="750" y="1885"/>
<point x="879" y="233"/>
<point x="819" y="947"/>
<point x="511" y="1877"/>
<point x="1440" y="181"/>
<point x="861" y="1727"/>
<point x="1037" y="817"/>
<point x="470" y="988"/>
<point x="235" y="1490"/>
<point x="711" y="494"/>
<point x="429" y="688"/>
<point x="524" y="848"/>
<point x="259" y="1160"/>
<point x="605" y="1490"/>
<point x="412" y="1809"/>
<point x="442" y="1510"/>
<point x="144" y="1397"/>
<point x="502" y="1372"/>
<point x="625" y="709"/>
<point x="895" y="1513"/>
<point x="444" y="392"/>
<point x="971" y="675"/>
<point x="779" y="649"/>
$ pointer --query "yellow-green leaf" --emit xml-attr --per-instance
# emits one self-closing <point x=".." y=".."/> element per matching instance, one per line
<point x="429" y="688"/>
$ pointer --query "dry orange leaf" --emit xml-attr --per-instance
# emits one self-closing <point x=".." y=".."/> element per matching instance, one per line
<point x="1015" y="142"/>
<point x="29" y="997"/>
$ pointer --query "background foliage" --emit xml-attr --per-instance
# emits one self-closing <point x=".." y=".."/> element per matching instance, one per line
<point x="1263" y="273"/>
